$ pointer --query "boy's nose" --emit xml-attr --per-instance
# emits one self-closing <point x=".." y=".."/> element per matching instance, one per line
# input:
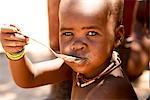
<point x="78" y="46"/>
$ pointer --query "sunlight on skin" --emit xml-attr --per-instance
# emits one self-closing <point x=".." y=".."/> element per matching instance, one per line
<point x="48" y="66"/>
<point x="90" y="6"/>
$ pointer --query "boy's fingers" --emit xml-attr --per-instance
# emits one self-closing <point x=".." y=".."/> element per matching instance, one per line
<point x="13" y="49"/>
<point x="13" y="43"/>
<point x="18" y="29"/>
<point x="13" y="31"/>
<point x="19" y="36"/>
<point x="11" y="39"/>
<point x="13" y="36"/>
<point x="8" y="29"/>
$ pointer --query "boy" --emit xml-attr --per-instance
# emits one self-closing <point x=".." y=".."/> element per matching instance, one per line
<point x="90" y="30"/>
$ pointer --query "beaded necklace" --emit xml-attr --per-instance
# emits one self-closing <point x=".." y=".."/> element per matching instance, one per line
<point x="115" y="62"/>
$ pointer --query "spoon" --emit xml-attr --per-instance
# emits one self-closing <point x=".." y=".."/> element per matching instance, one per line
<point x="65" y="57"/>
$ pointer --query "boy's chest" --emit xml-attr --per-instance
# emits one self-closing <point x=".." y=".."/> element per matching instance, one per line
<point x="99" y="86"/>
<point x="81" y="93"/>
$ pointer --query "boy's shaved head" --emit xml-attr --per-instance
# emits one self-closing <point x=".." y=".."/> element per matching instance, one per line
<point x="86" y="24"/>
<point x="109" y="8"/>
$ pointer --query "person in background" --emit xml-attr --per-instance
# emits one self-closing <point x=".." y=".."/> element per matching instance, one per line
<point x="138" y="42"/>
<point x="136" y="53"/>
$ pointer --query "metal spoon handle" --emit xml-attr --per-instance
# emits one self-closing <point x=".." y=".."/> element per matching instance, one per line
<point x="39" y="43"/>
<point x="65" y="57"/>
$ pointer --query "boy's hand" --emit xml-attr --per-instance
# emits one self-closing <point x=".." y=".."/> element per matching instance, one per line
<point x="11" y="40"/>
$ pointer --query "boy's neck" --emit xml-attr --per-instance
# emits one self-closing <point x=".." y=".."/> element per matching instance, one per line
<point x="98" y="70"/>
<point x="101" y="72"/>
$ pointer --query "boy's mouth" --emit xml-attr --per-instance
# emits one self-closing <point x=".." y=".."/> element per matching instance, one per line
<point x="79" y="59"/>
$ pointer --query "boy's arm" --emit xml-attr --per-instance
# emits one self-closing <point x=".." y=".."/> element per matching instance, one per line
<point x="21" y="66"/>
<point x="24" y="77"/>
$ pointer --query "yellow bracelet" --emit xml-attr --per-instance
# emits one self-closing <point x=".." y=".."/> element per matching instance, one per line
<point x="15" y="56"/>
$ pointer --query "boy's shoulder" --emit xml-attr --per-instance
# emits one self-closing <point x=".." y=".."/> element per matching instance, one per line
<point x="112" y="87"/>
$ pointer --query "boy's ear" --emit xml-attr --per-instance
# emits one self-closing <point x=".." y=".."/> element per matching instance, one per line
<point x="119" y="35"/>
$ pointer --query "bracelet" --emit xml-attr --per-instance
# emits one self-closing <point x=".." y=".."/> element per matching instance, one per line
<point x="15" y="56"/>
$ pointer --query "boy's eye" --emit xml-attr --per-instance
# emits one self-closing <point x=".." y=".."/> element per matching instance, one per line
<point x="92" y="33"/>
<point x="68" y="33"/>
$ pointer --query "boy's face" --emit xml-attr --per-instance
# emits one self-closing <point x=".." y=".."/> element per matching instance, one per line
<point x="88" y="35"/>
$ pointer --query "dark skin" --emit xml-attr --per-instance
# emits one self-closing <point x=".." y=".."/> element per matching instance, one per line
<point x="92" y="36"/>
<point x="80" y="32"/>
<point x="134" y="68"/>
<point x="111" y="90"/>
<point x="78" y="38"/>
